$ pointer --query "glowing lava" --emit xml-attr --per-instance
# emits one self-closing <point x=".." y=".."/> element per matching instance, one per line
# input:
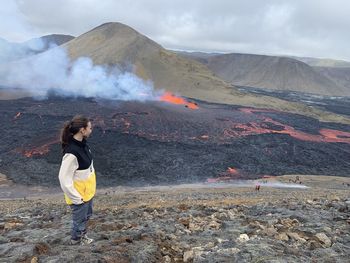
<point x="171" y="98"/>
<point x="252" y="128"/>
<point x="230" y="174"/>
<point x="39" y="150"/>
<point x="231" y="170"/>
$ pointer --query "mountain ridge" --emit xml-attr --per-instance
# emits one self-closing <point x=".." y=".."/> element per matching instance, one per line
<point x="270" y="72"/>
<point x="117" y="45"/>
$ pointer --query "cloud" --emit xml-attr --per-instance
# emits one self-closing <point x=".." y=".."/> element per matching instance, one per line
<point x="12" y="22"/>
<point x="306" y="28"/>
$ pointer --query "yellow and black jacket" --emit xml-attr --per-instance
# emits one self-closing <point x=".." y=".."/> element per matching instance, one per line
<point x="77" y="174"/>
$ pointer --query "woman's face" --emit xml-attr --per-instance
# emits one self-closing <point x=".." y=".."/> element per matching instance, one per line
<point x="87" y="131"/>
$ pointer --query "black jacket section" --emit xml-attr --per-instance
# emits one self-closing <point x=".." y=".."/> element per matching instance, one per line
<point x="82" y="151"/>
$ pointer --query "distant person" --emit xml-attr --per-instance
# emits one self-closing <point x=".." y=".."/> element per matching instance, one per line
<point x="257" y="187"/>
<point x="77" y="176"/>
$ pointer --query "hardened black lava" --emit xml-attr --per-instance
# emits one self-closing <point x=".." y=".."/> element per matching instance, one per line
<point x="151" y="143"/>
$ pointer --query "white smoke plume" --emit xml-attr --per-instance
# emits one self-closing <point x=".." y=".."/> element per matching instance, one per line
<point x="23" y="66"/>
<point x="53" y="71"/>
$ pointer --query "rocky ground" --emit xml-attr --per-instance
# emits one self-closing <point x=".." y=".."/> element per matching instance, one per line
<point x="190" y="223"/>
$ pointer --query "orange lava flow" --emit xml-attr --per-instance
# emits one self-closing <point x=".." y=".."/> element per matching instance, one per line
<point x="171" y="98"/>
<point x="36" y="151"/>
<point x="325" y="135"/>
<point x="40" y="150"/>
<point x="252" y="110"/>
<point x="231" y="170"/>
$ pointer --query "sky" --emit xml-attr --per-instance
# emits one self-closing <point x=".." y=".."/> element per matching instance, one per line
<point x="308" y="28"/>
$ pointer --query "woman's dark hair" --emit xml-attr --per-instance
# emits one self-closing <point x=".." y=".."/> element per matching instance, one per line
<point x="72" y="127"/>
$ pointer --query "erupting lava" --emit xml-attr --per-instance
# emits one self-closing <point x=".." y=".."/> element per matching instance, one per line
<point x="231" y="170"/>
<point x="171" y="98"/>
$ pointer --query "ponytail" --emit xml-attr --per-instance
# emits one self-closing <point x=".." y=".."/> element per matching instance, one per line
<point x="66" y="135"/>
<point x="72" y="127"/>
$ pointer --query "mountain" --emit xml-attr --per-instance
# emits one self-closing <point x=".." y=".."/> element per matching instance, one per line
<point x="115" y="44"/>
<point x="47" y="41"/>
<point x="118" y="45"/>
<point x="324" y="62"/>
<point x="270" y="72"/>
<point x="339" y="75"/>
<point x="10" y="51"/>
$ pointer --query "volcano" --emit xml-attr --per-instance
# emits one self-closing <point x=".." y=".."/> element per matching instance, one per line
<point x="166" y="142"/>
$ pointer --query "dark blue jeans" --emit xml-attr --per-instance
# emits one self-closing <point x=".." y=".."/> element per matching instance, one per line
<point x="80" y="216"/>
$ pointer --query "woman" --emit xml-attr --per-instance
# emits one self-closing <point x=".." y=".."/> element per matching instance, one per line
<point x="77" y="175"/>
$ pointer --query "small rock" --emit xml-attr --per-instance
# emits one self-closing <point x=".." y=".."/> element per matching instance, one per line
<point x="313" y="245"/>
<point x="325" y="241"/>
<point x="188" y="255"/>
<point x="231" y="214"/>
<point x="194" y="227"/>
<point x="171" y="236"/>
<point x="219" y="240"/>
<point x="209" y="245"/>
<point x="287" y="222"/>
<point x="176" y="248"/>
<point x="270" y="231"/>
<point x="310" y="202"/>
<point x="223" y="216"/>
<point x="327" y="229"/>
<point x="167" y="259"/>
<point x="282" y="237"/>
<point x="292" y="251"/>
<point x="214" y="225"/>
<point x="279" y="226"/>
<point x="11" y="225"/>
<point x="296" y="237"/>
<point x="34" y="260"/>
<point x="336" y="198"/>
<point x="3" y="240"/>
<point x="243" y="238"/>
<point x="232" y="250"/>
<point x="259" y="225"/>
<point x="187" y="231"/>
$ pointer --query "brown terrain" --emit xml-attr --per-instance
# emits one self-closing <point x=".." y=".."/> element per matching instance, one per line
<point x="272" y="72"/>
<point x="219" y="222"/>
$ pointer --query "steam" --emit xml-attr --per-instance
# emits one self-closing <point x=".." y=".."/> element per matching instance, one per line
<point x="53" y="72"/>
<point x="252" y="183"/>
<point x="41" y="69"/>
<point x="284" y="185"/>
<point x="13" y="51"/>
<point x="230" y="184"/>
